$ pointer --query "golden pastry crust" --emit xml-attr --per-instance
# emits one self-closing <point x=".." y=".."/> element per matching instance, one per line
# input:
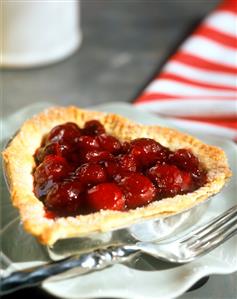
<point x="19" y="162"/>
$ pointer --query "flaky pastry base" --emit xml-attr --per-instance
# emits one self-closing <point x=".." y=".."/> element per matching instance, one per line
<point x="19" y="163"/>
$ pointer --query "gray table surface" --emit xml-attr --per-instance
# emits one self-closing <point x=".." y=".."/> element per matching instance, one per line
<point x="124" y="43"/>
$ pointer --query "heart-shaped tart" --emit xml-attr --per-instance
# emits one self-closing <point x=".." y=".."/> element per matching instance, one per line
<point x="74" y="172"/>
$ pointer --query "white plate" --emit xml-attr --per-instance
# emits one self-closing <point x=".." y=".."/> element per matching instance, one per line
<point x="144" y="278"/>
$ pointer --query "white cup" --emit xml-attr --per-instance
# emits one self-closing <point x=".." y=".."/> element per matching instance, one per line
<point x="34" y="33"/>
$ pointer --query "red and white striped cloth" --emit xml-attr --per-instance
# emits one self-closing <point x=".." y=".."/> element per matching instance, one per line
<point x="199" y="82"/>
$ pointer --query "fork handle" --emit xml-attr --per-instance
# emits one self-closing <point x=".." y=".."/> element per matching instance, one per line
<point x="84" y="263"/>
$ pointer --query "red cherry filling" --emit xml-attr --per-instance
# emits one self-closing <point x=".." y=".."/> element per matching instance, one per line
<point x="126" y="146"/>
<point x="93" y="128"/>
<point x="109" y="143"/>
<point x="185" y="160"/>
<point x="148" y="151"/>
<point x="65" y="199"/>
<point x="66" y="133"/>
<point x="120" y="167"/>
<point x="84" y="170"/>
<point x="90" y="174"/>
<point x="169" y="180"/>
<point x="53" y="148"/>
<point x="107" y="196"/>
<point x="88" y="143"/>
<point x="67" y="151"/>
<point x="97" y="156"/>
<point x="111" y="168"/>
<point x="52" y="169"/>
<point x="138" y="190"/>
<point x="127" y="162"/>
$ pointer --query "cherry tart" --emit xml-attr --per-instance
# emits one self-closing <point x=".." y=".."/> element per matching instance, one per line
<point x="74" y="172"/>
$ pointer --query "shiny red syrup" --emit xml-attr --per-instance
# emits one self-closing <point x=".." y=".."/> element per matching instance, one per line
<point x="85" y="170"/>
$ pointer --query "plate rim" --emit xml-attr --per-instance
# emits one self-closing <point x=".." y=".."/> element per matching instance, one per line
<point x="47" y="286"/>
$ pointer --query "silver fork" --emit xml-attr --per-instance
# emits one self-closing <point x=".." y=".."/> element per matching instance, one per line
<point x="182" y="249"/>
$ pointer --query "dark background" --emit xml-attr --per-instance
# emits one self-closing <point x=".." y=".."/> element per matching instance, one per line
<point x="125" y="42"/>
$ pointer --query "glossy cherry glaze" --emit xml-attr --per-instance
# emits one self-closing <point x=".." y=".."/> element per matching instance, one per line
<point x="85" y="170"/>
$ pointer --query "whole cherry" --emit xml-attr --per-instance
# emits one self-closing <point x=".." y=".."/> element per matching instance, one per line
<point x="138" y="190"/>
<point x="65" y="199"/>
<point x="109" y="143"/>
<point x="106" y="196"/>
<point x="93" y="128"/>
<point x="65" y="133"/>
<point x="52" y="169"/>
<point x="169" y="180"/>
<point x="90" y="174"/>
<point x="148" y="151"/>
